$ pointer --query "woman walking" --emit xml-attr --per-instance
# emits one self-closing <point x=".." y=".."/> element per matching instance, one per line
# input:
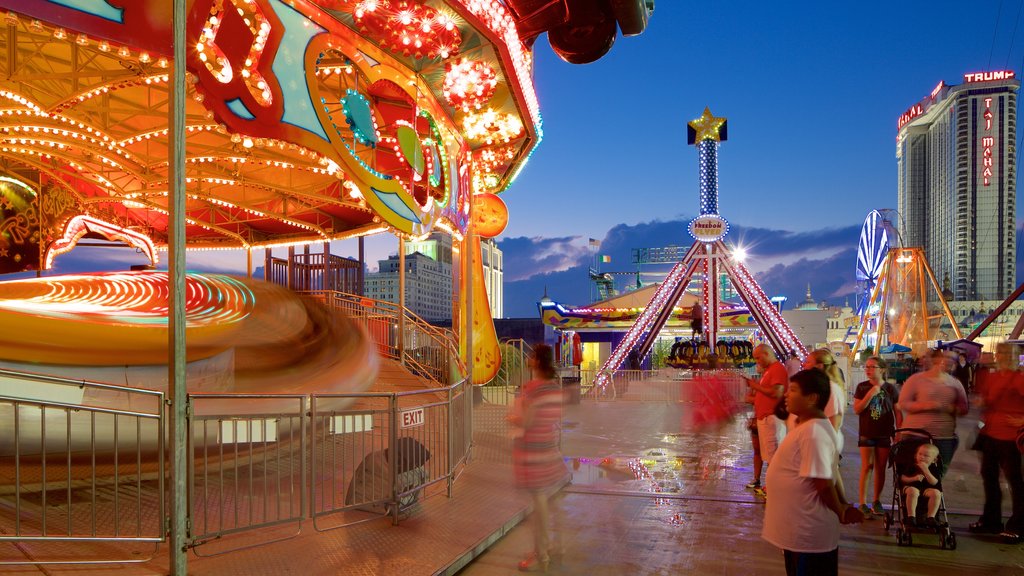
<point x="931" y="400"/>
<point x="539" y="467"/>
<point x="1001" y="392"/>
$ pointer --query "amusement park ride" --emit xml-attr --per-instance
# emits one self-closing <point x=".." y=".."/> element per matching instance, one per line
<point x="895" y="284"/>
<point x="187" y="125"/>
<point x="304" y="122"/>
<point x="712" y="256"/>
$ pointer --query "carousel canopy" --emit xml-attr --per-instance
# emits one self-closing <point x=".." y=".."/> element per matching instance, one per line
<point x="305" y="122"/>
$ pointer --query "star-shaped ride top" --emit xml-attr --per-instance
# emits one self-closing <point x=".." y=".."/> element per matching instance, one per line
<point x="707" y="127"/>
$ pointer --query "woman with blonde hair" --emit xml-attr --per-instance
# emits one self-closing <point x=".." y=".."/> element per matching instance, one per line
<point x="822" y="359"/>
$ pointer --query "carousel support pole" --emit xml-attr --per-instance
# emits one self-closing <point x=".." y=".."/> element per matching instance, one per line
<point x="328" y="277"/>
<point x="268" y="261"/>
<point x="362" y="267"/>
<point x="176" y="306"/>
<point x="248" y="263"/>
<point x="401" y="300"/>
<point x="469" y="252"/>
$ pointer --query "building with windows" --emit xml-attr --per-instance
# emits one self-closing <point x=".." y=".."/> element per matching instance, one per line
<point x="491" y="258"/>
<point x="956" y="156"/>
<point x="428" y="278"/>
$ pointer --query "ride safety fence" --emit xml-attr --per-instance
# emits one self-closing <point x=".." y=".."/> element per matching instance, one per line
<point x="86" y="463"/>
<point x="429" y="351"/>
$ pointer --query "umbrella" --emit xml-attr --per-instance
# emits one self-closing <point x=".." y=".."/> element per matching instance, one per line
<point x="893" y="349"/>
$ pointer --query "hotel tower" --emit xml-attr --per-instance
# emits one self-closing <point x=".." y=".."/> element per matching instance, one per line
<point x="957" y="166"/>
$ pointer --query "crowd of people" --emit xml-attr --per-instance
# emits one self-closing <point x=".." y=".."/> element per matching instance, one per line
<point x="797" y="434"/>
<point x="797" y="439"/>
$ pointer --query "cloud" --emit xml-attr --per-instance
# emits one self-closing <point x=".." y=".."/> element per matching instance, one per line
<point x="782" y="261"/>
<point x="526" y="257"/>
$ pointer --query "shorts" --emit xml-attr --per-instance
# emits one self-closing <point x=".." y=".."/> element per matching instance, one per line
<point x="866" y="442"/>
<point x="770" y="432"/>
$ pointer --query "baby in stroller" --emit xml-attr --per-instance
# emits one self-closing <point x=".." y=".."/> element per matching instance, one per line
<point x="920" y="477"/>
<point x="917" y="483"/>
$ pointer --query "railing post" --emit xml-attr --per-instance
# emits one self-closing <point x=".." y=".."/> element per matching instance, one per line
<point x="451" y="436"/>
<point x="393" y="460"/>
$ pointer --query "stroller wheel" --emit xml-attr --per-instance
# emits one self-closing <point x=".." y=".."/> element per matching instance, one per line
<point x="951" y="541"/>
<point x="910" y="539"/>
<point x="899" y="536"/>
<point x="887" y="521"/>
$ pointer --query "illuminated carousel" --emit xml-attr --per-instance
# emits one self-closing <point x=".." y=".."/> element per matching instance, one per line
<point x="305" y="122"/>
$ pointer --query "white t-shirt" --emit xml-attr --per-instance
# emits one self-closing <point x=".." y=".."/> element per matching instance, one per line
<point x="795" y="518"/>
<point x="836" y="405"/>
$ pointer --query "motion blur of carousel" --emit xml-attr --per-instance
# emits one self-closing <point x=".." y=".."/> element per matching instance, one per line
<point x="276" y="125"/>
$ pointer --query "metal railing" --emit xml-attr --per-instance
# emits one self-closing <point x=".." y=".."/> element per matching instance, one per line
<point x="79" y="467"/>
<point x="248" y="464"/>
<point x="379" y="452"/>
<point x="512" y="374"/>
<point x="428" y="351"/>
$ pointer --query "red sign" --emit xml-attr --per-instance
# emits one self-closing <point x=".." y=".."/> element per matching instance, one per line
<point x="987" y="142"/>
<point x="914" y="111"/>
<point x="988" y="76"/>
<point x="411" y="418"/>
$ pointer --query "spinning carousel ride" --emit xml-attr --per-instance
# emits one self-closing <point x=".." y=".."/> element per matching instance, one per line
<point x="305" y="122"/>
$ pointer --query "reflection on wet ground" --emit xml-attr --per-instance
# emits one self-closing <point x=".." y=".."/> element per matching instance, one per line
<point x="652" y="494"/>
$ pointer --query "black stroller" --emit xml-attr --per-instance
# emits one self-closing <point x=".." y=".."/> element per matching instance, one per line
<point x="901" y="455"/>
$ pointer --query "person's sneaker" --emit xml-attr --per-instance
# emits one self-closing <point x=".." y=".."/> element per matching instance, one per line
<point x="876" y="508"/>
<point x="754" y="485"/>
<point x="930" y="522"/>
<point x="865" y="510"/>
<point x="1010" y="537"/>
<point x="760" y="492"/>
<point x="910" y="521"/>
<point x="980" y="527"/>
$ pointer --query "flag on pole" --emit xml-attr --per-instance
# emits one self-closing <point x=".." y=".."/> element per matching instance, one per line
<point x="605" y="258"/>
<point x="595" y="242"/>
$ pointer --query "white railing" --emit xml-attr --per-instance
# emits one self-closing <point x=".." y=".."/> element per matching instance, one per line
<point x="78" y="467"/>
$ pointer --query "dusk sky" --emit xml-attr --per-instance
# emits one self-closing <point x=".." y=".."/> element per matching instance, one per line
<point x="812" y="92"/>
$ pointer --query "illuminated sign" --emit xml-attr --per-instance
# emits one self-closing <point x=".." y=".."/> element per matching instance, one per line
<point x="938" y="88"/>
<point x="708" y="228"/>
<point x="987" y="142"/>
<point x="914" y="111"/>
<point x="989" y="76"/>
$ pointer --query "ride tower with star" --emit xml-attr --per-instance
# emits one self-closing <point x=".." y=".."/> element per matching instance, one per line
<point x="712" y="256"/>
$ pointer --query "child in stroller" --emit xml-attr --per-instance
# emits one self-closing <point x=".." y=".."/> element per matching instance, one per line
<point x="917" y="488"/>
<point x="921" y="477"/>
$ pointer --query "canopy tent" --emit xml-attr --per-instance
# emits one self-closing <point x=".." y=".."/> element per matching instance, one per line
<point x="894" y="349"/>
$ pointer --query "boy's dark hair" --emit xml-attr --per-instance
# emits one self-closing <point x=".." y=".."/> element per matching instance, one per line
<point x="813" y="381"/>
<point x="545" y="357"/>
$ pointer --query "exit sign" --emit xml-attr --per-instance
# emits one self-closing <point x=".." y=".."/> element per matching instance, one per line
<point x="411" y="418"/>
